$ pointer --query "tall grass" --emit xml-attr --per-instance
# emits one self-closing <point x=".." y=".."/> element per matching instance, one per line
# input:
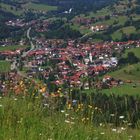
<point x="24" y="118"/>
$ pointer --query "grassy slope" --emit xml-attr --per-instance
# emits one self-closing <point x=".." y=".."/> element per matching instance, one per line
<point x="126" y="89"/>
<point x="12" y="48"/>
<point x="4" y="66"/>
<point x="26" y="119"/>
<point x="11" y="9"/>
<point x="39" y="7"/>
<point x="130" y="72"/>
<point x="103" y="12"/>
<point x="29" y="5"/>
<point x="136" y="51"/>
<point x="127" y="30"/>
<point x="121" y="7"/>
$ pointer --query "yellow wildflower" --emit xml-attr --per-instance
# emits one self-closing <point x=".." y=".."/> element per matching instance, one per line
<point x="69" y="106"/>
<point x="83" y="119"/>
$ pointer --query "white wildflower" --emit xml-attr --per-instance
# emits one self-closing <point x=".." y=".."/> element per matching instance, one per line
<point x="46" y="105"/>
<point x="130" y="136"/>
<point x="122" y="128"/>
<point x="129" y="124"/>
<point x="66" y="121"/>
<point x="72" y="122"/>
<point x="18" y="121"/>
<point x="72" y="118"/>
<point x="62" y="111"/>
<point x="119" y="131"/>
<point x="96" y="108"/>
<point x="101" y="124"/>
<point x="66" y="115"/>
<point x="121" y="117"/>
<point x="114" y="130"/>
<point x="112" y="115"/>
<point x="102" y="133"/>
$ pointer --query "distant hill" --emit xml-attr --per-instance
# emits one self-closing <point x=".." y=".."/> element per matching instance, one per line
<point x="19" y="7"/>
<point x="4" y="15"/>
<point x="79" y="6"/>
<point x="122" y="17"/>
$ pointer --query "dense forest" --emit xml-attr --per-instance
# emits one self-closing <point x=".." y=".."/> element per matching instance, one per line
<point x="79" y="6"/>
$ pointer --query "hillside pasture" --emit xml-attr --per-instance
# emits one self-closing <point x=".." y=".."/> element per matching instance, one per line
<point x="12" y="48"/>
<point x="130" y="72"/>
<point x="126" y="89"/>
<point x="11" y="9"/>
<point x="4" y="66"/>
<point x="39" y="7"/>
<point x="27" y="6"/>
<point x="136" y="51"/>
<point x="126" y="30"/>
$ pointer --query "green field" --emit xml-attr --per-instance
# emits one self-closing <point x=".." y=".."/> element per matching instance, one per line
<point x="11" y="9"/>
<point x="126" y="30"/>
<point x="103" y="12"/>
<point x="130" y="72"/>
<point x="39" y="7"/>
<point x="126" y="89"/>
<point x="28" y="5"/>
<point x="4" y="66"/>
<point x="116" y="35"/>
<point x="12" y="48"/>
<point x="136" y="51"/>
<point x="121" y="20"/>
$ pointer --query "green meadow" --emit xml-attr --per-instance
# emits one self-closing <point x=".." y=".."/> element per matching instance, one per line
<point x="129" y="72"/>
<point x="11" y="9"/>
<point x="12" y="48"/>
<point x="126" y="30"/>
<point x="130" y="89"/>
<point x="23" y="118"/>
<point x="126" y="89"/>
<point x="136" y="51"/>
<point x="39" y="7"/>
<point x="4" y="66"/>
<point x="28" y="5"/>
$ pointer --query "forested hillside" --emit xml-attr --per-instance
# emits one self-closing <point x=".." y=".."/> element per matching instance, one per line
<point x="79" y="6"/>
